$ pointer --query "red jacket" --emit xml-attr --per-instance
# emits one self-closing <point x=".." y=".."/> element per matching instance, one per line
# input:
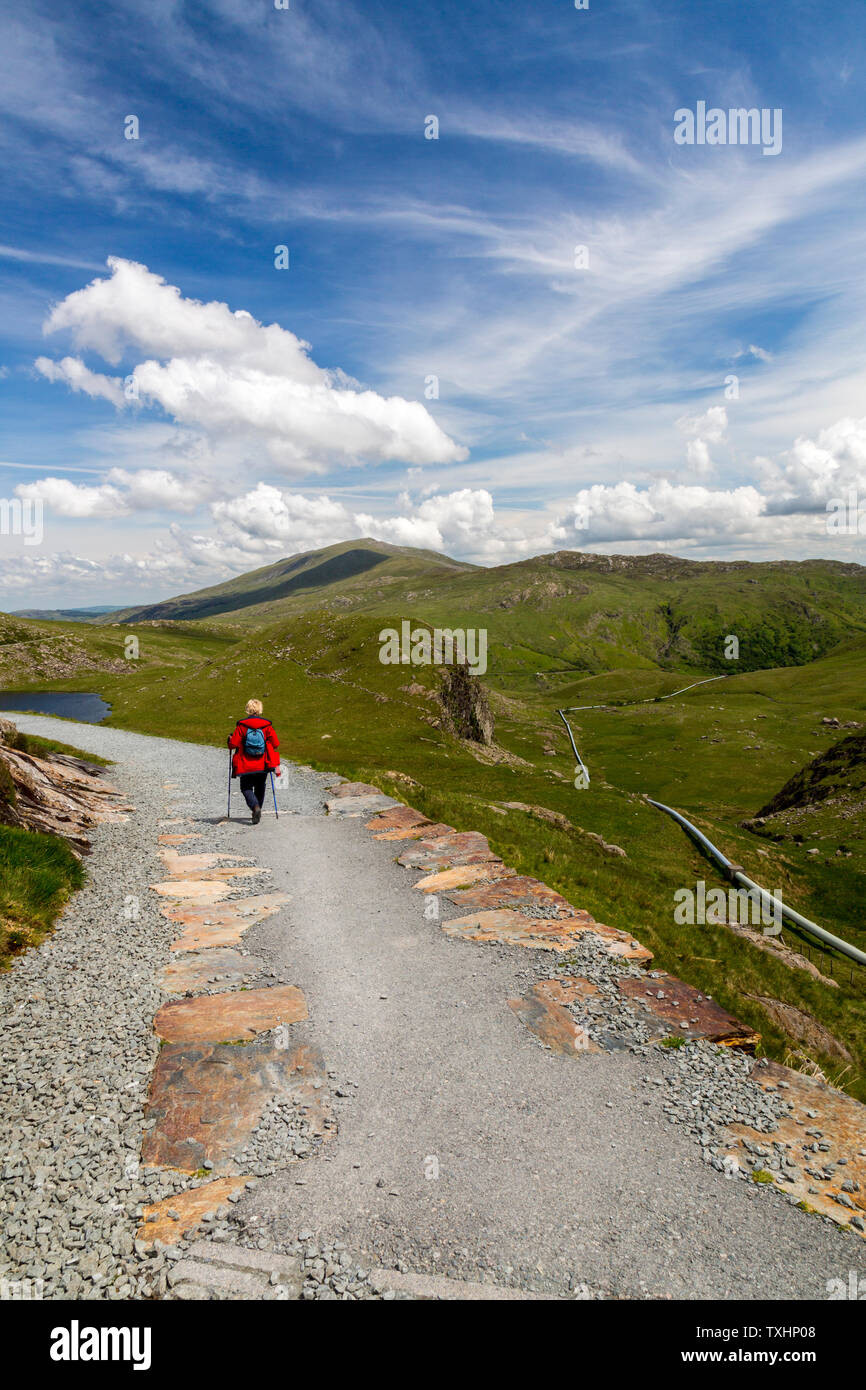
<point x="240" y="762"/>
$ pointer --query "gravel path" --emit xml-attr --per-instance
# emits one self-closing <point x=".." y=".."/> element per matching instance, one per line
<point x="465" y="1148"/>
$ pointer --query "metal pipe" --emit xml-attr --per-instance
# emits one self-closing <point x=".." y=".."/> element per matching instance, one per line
<point x="736" y="874"/>
<point x="652" y="699"/>
<point x="573" y="744"/>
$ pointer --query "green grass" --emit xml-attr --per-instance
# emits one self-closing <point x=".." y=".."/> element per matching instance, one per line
<point x="38" y="875"/>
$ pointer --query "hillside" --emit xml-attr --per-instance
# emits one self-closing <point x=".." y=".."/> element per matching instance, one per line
<point x="824" y="801"/>
<point x="355" y="572"/>
<point x="567" y="613"/>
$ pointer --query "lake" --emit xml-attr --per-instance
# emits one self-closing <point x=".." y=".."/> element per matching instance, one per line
<point x="84" y="705"/>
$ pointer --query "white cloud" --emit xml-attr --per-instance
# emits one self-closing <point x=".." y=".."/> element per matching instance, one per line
<point x="224" y="373"/>
<point x="711" y="426"/>
<point x="706" y="429"/>
<point x="73" y="372"/>
<point x="149" y="489"/>
<point x="155" y="489"/>
<point x="813" y="471"/>
<point x="77" y="500"/>
<point x="664" y="511"/>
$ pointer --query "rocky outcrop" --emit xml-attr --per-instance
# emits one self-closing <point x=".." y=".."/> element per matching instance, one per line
<point x="56" y="795"/>
<point x="465" y="707"/>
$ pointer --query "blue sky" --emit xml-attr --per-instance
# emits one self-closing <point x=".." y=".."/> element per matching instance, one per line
<point x="582" y="399"/>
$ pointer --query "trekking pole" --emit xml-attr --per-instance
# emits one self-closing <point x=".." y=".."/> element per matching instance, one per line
<point x="229" y="809"/>
<point x="274" y="793"/>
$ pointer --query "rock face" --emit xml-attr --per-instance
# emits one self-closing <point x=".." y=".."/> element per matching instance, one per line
<point x="56" y="795"/>
<point x="465" y="708"/>
<point x="838" y="775"/>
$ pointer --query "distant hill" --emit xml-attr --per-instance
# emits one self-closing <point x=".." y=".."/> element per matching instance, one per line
<point x="355" y="572"/>
<point x="66" y="615"/>
<point x="556" y="617"/>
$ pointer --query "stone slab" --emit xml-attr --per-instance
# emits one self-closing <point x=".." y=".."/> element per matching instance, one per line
<point x="191" y="865"/>
<point x="463" y="875"/>
<point x="201" y="890"/>
<point x="221" y="925"/>
<point x="207" y="1098"/>
<point x="512" y="928"/>
<point x="359" y="805"/>
<point x="685" y="1012"/>
<point x="240" y="1283"/>
<point x="517" y="892"/>
<point x="222" y="875"/>
<point x="356" y="789"/>
<point x="252" y="909"/>
<point x="436" y="1286"/>
<point x="842" y="1123"/>
<point x="399" y="818"/>
<point x="232" y="1017"/>
<point x="191" y="1206"/>
<point x="416" y="832"/>
<point x="214" y="1266"/>
<point x="219" y="968"/>
<point x="543" y="1011"/>
<point x="443" y="851"/>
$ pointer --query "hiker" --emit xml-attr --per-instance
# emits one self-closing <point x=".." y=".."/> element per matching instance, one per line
<point x="255" y="743"/>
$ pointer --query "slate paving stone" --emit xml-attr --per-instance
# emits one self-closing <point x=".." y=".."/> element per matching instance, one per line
<point x="189" y="1208"/>
<point x="206" y="1100"/>
<point x="359" y="805"/>
<point x="221" y="925"/>
<point x="200" y="890"/>
<point x="674" y="1008"/>
<point x="233" y="1017"/>
<point x="417" y="832"/>
<point x="355" y="790"/>
<point x="443" y="851"/>
<point x="463" y="875"/>
<point x="819" y="1115"/>
<point x="400" y="818"/>
<point x="217" y="968"/>
<point x="542" y="1011"/>
<point x="513" y="928"/>
<point x="518" y="892"/>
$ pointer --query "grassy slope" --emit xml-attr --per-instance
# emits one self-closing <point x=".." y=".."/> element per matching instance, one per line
<point x="38" y="875"/>
<point x="352" y="573"/>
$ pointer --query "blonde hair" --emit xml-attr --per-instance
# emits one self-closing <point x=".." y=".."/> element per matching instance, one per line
<point x="253" y="707"/>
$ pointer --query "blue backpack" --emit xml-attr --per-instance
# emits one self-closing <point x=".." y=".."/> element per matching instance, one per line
<point x="254" y="743"/>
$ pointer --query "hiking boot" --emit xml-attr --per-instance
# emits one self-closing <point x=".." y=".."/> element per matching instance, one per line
<point x="257" y="815"/>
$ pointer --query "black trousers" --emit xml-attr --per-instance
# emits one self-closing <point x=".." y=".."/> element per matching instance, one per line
<point x="253" y="788"/>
